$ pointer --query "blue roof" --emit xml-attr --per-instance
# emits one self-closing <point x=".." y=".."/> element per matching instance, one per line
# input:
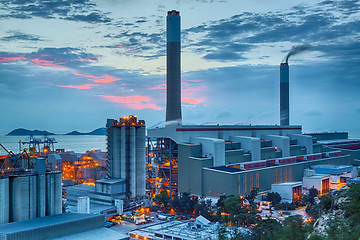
<point x="47" y="221"/>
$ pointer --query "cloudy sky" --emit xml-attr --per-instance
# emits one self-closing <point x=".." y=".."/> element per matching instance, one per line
<point x="71" y="64"/>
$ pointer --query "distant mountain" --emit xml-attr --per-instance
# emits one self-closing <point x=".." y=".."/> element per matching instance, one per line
<point x="99" y="131"/>
<point x="26" y="132"/>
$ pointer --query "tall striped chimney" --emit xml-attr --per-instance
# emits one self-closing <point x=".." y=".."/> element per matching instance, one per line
<point x="284" y="94"/>
<point x="173" y="76"/>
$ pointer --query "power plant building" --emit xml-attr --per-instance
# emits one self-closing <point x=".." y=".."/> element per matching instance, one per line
<point x="232" y="160"/>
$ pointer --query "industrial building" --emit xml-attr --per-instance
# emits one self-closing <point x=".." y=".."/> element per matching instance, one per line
<point x="211" y="160"/>
<point x="125" y="182"/>
<point x="232" y="160"/>
<point x="29" y="193"/>
<point x="79" y="168"/>
<point x="178" y="230"/>
<point x="289" y="191"/>
<point x="50" y="226"/>
<point x="126" y="153"/>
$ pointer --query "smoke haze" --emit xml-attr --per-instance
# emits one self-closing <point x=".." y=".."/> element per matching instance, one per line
<point x="296" y="50"/>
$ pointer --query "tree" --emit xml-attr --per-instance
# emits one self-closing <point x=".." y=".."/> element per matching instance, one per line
<point x="162" y="198"/>
<point x="268" y="229"/>
<point x="274" y="198"/>
<point x="203" y="207"/>
<point x="252" y="195"/>
<point x="326" y="202"/>
<point x="232" y="205"/>
<point x="294" y="228"/>
<point x="313" y="192"/>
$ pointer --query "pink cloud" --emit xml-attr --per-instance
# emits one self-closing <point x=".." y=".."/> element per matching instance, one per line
<point x="161" y="86"/>
<point x="84" y="86"/>
<point x="11" y="59"/>
<point x="191" y="102"/>
<point x="47" y="63"/>
<point x="133" y="102"/>
<point x="100" y="79"/>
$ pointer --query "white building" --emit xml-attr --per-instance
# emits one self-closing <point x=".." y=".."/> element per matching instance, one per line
<point x="289" y="191"/>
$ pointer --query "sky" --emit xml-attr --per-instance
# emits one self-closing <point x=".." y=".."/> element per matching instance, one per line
<point x="71" y="64"/>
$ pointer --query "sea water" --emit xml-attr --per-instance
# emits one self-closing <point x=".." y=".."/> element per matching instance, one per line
<point x="78" y="144"/>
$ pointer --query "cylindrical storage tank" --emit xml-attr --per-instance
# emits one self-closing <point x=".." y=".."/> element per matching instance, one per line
<point x="132" y="165"/>
<point x="50" y="194"/>
<point x="32" y="197"/>
<point x="58" y="193"/>
<point x="4" y="200"/>
<point x="116" y="152"/>
<point x="140" y="161"/>
<point x="20" y="193"/>
<point x="123" y="143"/>
<point x="41" y="198"/>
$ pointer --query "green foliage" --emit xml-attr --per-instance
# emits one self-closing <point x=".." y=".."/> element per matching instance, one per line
<point x="352" y="208"/>
<point x="340" y="230"/>
<point x="274" y="198"/>
<point x="286" y="206"/>
<point x="203" y="207"/>
<point x="232" y="205"/>
<point x="184" y="203"/>
<point x="294" y="228"/>
<point x="252" y="195"/>
<point x="268" y="229"/>
<point x="314" y="211"/>
<point x="162" y="199"/>
<point x="315" y="237"/>
<point x="326" y="202"/>
<point x="313" y="192"/>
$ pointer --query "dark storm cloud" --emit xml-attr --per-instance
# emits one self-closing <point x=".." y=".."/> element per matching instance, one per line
<point x="77" y="10"/>
<point x="19" y="36"/>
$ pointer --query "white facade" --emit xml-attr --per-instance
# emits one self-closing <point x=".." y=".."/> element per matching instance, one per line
<point x="315" y="181"/>
<point x="83" y="205"/>
<point x="213" y="148"/>
<point x="250" y="144"/>
<point x="285" y="190"/>
<point x="281" y="142"/>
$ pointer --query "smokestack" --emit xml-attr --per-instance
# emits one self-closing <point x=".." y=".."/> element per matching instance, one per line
<point x="173" y="77"/>
<point x="284" y="94"/>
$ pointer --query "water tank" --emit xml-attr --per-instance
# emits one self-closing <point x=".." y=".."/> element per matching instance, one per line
<point x="4" y="200"/>
<point x="20" y="193"/>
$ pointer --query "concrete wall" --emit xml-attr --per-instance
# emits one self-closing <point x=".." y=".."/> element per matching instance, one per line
<point x="184" y="152"/>
<point x="234" y="156"/>
<point x="213" y="148"/>
<point x="249" y="144"/>
<point x="218" y="182"/>
<point x="281" y="142"/>
<point x="296" y="150"/>
<point x="268" y="153"/>
<point x="305" y="141"/>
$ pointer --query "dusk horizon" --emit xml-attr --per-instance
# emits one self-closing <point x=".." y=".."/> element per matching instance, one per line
<point x="68" y="66"/>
